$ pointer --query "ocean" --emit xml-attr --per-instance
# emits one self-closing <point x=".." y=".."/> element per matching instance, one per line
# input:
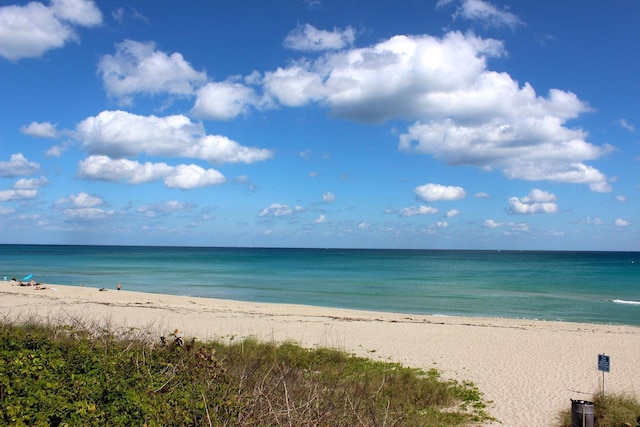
<point x="593" y="287"/>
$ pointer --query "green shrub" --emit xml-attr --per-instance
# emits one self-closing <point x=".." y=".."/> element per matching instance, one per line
<point x="61" y="375"/>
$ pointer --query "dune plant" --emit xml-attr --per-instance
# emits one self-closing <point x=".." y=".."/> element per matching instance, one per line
<point x="610" y="410"/>
<point x="57" y="375"/>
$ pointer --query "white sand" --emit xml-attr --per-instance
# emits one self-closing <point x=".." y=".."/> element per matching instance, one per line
<point x="528" y="369"/>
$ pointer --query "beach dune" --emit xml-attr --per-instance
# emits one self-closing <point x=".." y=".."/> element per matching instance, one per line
<point x="529" y="370"/>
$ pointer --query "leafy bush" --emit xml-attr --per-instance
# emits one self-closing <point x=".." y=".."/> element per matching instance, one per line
<point x="62" y="375"/>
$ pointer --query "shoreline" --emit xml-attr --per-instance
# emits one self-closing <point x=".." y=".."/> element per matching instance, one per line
<point x="528" y="369"/>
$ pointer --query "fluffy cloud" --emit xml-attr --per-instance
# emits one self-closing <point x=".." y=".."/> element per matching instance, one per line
<point x="41" y="130"/>
<point x="462" y="112"/>
<point x="328" y="197"/>
<point x="391" y="79"/>
<point x="537" y="201"/>
<point x="621" y="222"/>
<point x="17" y="194"/>
<point x="29" y="31"/>
<point x="434" y="192"/>
<point x="223" y="101"/>
<point x="418" y="210"/>
<point x="526" y="140"/>
<point x="83" y="207"/>
<point x="79" y="12"/>
<point x="84" y="200"/>
<point x="320" y="220"/>
<point x="309" y="38"/>
<point x="23" y="189"/>
<point x="186" y="177"/>
<point x="18" y="165"/>
<point x="489" y="223"/>
<point x="103" y="168"/>
<point x="31" y="184"/>
<point x="182" y="177"/>
<point x="294" y="86"/>
<point x="452" y="213"/>
<point x="120" y="134"/>
<point x="138" y="67"/>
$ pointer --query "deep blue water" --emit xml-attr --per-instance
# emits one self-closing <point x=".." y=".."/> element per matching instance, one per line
<point x="600" y="287"/>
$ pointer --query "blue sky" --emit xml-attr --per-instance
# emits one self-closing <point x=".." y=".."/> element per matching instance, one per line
<point x="413" y="124"/>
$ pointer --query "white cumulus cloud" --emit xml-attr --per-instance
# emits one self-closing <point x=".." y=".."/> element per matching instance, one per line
<point x="192" y="176"/>
<point x="41" y="130"/>
<point x="434" y="192"/>
<point x="18" y="165"/>
<point x="83" y="207"/>
<point x="137" y="67"/>
<point x="328" y="197"/>
<point x="184" y="177"/>
<point x="490" y="223"/>
<point x="537" y="201"/>
<point x="121" y="134"/>
<point x="17" y="194"/>
<point x="31" y="30"/>
<point x="224" y="100"/>
<point x="461" y="112"/>
<point x="84" y="200"/>
<point x="320" y="220"/>
<point x="31" y="184"/>
<point x="621" y="222"/>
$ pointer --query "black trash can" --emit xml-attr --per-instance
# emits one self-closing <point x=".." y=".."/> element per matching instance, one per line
<point x="581" y="413"/>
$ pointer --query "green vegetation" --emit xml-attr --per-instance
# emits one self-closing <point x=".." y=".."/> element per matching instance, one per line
<point x="611" y="410"/>
<point x="90" y="376"/>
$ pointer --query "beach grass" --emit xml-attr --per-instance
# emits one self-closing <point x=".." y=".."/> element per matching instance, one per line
<point x="610" y="410"/>
<point x="87" y="374"/>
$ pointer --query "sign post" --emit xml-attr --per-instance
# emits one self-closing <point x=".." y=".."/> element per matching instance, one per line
<point x="604" y="365"/>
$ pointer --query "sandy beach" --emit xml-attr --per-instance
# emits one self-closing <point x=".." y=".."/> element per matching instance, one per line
<point x="528" y="369"/>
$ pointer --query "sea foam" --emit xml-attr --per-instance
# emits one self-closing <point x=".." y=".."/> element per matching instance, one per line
<point x="621" y="301"/>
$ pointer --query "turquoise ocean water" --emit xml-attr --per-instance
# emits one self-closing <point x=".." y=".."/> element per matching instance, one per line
<point x="599" y="287"/>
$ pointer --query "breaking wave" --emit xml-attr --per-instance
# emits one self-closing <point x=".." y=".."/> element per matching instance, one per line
<point x="622" y="301"/>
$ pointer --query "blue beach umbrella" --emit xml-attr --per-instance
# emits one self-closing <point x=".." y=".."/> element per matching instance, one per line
<point x="27" y="278"/>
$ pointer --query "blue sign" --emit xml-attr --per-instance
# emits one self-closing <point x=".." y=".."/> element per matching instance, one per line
<point x="603" y="363"/>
